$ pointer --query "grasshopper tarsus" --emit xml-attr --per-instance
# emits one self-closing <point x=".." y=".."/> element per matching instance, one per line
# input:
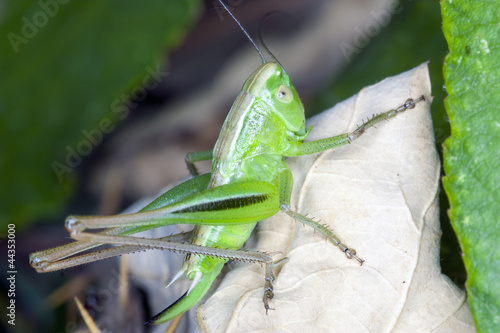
<point x="268" y="294"/>
<point x="268" y="308"/>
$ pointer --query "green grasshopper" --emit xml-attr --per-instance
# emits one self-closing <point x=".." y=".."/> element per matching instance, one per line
<point x="249" y="182"/>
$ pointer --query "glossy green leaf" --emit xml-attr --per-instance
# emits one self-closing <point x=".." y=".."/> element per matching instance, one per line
<point x="68" y="70"/>
<point x="472" y="163"/>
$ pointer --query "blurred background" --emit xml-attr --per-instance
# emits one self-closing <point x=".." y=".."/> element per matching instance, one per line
<point x="101" y="100"/>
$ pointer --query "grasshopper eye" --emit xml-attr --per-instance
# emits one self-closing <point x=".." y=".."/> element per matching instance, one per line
<point x="284" y="94"/>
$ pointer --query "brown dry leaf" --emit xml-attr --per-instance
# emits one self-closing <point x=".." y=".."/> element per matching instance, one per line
<point x="380" y="196"/>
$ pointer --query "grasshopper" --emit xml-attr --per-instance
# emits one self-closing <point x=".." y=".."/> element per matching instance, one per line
<point x="249" y="182"/>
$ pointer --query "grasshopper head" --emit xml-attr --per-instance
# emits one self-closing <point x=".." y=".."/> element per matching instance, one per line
<point x="271" y="84"/>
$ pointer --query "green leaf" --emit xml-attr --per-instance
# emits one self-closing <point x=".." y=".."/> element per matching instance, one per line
<point x="68" y="70"/>
<point x="472" y="79"/>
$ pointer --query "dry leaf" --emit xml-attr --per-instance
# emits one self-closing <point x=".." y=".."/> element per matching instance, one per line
<point x="380" y="196"/>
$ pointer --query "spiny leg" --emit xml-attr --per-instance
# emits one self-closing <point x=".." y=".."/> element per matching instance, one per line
<point x="142" y="243"/>
<point x="147" y="243"/>
<point x="349" y="252"/>
<point x="285" y="191"/>
<point x="159" y="243"/>
<point x="305" y="148"/>
<point x="409" y="104"/>
<point x="63" y="263"/>
<point x="285" y="194"/>
<point x="43" y="261"/>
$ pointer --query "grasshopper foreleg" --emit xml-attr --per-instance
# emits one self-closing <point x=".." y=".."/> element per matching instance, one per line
<point x="312" y="147"/>
<point x="409" y="104"/>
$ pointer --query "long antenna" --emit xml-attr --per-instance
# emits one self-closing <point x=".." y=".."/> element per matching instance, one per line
<point x="245" y="32"/>
<point x="263" y="21"/>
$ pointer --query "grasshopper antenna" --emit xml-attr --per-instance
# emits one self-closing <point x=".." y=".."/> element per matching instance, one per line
<point x="262" y="23"/>
<point x="246" y="33"/>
